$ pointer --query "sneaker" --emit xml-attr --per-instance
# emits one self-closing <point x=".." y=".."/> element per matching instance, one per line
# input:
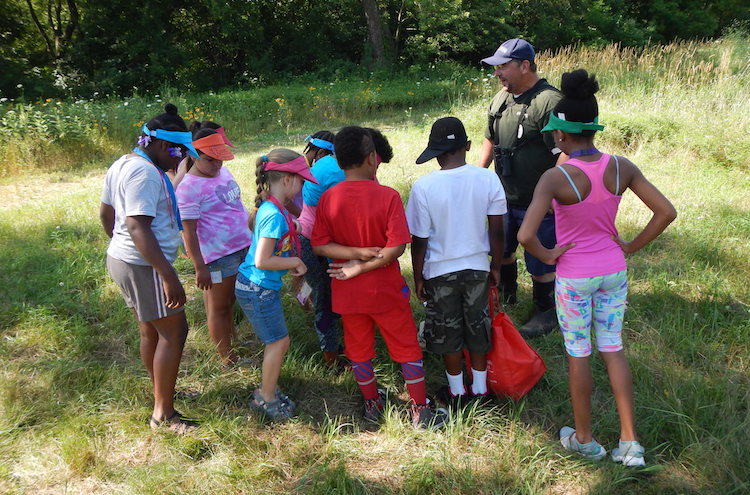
<point x="285" y="400"/>
<point x="275" y="410"/>
<point x="541" y="323"/>
<point x="424" y="417"/>
<point x="483" y="400"/>
<point x="374" y="407"/>
<point x="591" y="450"/>
<point x="629" y="453"/>
<point x="446" y="397"/>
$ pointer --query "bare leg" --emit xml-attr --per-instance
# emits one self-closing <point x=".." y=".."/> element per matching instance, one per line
<point x="453" y="363"/>
<point x="149" y="339"/>
<point x="581" y="384"/>
<point x="273" y="358"/>
<point x="622" y="388"/>
<point x="172" y="331"/>
<point x="218" y="301"/>
<point x="478" y="361"/>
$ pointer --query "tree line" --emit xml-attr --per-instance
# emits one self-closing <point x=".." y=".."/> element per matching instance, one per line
<point x="82" y="47"/>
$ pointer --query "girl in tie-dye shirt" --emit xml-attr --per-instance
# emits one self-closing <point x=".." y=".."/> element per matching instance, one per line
<point x="216" y="233"/>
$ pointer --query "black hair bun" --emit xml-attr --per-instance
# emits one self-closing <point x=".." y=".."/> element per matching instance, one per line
<point x="170" y="109"/>
<point x="579" y="85"/>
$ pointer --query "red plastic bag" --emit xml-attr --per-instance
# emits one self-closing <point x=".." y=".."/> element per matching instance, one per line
<point x="513" y="367"/>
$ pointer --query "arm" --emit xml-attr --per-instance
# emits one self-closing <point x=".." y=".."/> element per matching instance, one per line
<point x="143" y="237"/>
<point x="292" y="208"/>
<point x="418" y="252"/>
<point x="485" y="154"/>
<point x="540" y="205"/>
<point x="266" y="260"/>
<point x="663" y="212"/>
<point x="497" y="245"/>
<point x="182" y="169"/>
<point x="107" y="218"/>
<point x="190" y="233"/>
<point x="340" y="252"/>
<point x="354" y="267"/>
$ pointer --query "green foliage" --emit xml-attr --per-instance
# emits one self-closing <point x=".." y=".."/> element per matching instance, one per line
<point x="124" y="48"/>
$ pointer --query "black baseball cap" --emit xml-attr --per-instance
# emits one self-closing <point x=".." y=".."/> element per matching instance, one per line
<point x="447" y="134"/>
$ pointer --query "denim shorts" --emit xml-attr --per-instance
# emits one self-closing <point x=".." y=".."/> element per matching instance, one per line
<point x="263" y="309"/>
<point x="229" y="265"/>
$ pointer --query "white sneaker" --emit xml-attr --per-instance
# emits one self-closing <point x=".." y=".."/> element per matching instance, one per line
<point x="592" y="450"/>
<point x="629" y="453"/>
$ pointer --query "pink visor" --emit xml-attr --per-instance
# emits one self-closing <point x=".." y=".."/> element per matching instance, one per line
<point x="297" y="166"/>
<point x="220" y="130"/>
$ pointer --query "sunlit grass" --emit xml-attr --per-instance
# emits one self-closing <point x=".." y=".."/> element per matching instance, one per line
<point x="74" y="397"/>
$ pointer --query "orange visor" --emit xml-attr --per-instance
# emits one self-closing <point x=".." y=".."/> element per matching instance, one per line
<point x="214" y="146"/>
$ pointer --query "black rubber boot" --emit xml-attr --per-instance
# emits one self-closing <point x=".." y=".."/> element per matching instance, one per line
<point x="544" y="319"/>
<point x="508" y="283"/>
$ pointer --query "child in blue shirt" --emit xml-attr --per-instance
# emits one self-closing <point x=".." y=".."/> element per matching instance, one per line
<point x="274" y="251"/>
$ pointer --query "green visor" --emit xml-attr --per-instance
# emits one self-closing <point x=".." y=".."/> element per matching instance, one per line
<point x="569" y="126"/>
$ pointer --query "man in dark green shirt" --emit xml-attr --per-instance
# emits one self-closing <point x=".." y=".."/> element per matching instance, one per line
<point x="513" y="138"/>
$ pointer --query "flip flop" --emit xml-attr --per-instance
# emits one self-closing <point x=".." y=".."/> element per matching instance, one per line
<point x="176" y="423"/>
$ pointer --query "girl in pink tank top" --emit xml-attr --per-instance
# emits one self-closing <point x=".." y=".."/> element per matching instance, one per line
<point x="591" y="284"/>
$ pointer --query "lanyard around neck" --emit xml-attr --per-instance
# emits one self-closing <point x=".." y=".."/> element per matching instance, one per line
<point x="293" y="239"/>
<point x="175" y="212"/>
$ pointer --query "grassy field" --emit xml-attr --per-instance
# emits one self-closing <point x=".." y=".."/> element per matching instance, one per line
<point x="74" y="397"/>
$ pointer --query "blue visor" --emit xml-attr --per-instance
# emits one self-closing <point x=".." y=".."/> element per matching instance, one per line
<point x="320" y="143"/>
<point x="184" y="138"/>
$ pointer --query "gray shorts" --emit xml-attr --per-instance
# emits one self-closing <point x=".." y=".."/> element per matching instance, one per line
<point x="457" y="313"/>
<point x="141" y="287"/>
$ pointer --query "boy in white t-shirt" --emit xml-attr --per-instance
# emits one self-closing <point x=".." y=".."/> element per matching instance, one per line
<point x="455" y="216"/>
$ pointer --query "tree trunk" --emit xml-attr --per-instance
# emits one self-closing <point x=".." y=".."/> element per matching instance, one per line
<point x="375" y="28"/>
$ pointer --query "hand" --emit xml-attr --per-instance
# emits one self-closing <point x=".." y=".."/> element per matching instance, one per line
<point x="625" y="245"/>
<point x="182" y="166"/>
<point x="368" y="253"/>
<point x="203" y="278"/>
<point x="494" y="276"/>
<point x="173" y="291"/>
<point x="297" y="227"/>
<point x="556" y="252"/>
<point x="299" y="268"/>
<point x="346" y="270"/>
<point x="419" y="289"/>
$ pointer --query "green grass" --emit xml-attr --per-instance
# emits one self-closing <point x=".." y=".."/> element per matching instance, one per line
<point x="74" y="397"/>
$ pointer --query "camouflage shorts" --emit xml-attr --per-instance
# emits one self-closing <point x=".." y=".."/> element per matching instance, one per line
<point x="457" y="313"/>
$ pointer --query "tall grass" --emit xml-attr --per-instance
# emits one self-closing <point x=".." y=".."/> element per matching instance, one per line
<point x="74" y="398"/>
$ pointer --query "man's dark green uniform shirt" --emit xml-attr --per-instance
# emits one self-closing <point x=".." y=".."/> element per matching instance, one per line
<point x="515" y="123"/>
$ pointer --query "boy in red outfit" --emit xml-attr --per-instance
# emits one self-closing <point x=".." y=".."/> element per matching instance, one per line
<point x="361" y="225"/>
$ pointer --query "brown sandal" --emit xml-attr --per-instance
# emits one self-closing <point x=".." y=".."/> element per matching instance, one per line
<point x="176" y="423"/>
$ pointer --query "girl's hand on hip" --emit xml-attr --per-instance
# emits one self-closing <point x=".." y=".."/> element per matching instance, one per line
<point x="625" y="245"/>
<point x="556" y="252"/>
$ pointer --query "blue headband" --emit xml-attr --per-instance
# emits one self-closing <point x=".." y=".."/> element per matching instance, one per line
<point x="320" y="143"/>
<point x="184" y="138"/>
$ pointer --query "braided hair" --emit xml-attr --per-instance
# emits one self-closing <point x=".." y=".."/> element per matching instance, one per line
<point x="325" y="136"/>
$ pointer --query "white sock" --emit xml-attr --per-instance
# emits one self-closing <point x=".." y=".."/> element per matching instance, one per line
<point x="478" y="382"/>
<point x="456" y="382"/>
